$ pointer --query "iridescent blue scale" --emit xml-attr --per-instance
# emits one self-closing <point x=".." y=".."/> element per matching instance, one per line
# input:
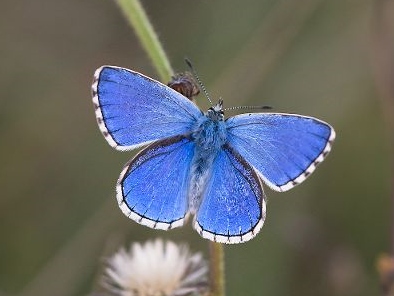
<point x="201" y="164"/>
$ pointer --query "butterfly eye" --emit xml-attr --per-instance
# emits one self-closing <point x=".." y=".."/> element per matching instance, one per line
<point x="215" y="114"/>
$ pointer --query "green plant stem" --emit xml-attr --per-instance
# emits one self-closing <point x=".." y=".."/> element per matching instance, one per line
<point x="217" y="281"/>
<point x="137" y="18"/>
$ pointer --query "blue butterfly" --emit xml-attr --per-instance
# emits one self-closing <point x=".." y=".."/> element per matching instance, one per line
<point x="200" y="163"/>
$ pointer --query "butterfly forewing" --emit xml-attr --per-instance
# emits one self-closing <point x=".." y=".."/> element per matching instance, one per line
<point x="133" y="110"/>
<point x="284" y="148"/>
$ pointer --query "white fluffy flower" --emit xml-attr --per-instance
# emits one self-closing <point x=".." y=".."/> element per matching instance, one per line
<point x="156" y="268"/>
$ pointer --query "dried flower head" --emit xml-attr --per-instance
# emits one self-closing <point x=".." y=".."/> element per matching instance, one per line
<point x="156" y="268"/>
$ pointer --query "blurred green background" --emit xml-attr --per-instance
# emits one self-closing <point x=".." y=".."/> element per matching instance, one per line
<point x="58" y="214"/>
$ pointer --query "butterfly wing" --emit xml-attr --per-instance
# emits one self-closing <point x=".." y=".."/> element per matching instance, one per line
<point x="233" y="204"/>
<point x="133" y="110"/>
<point x="284" y="148"/>
<point x="152" y="188"/>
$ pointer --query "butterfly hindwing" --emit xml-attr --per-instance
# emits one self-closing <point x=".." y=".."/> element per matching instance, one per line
<point x="133" y="110"/>
<point x="233" y="205"/>
<point x="152" y="188"/>
<point x="284" y="148"/>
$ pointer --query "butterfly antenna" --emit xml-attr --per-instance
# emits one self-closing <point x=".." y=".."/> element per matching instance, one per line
<point x="189" y="63"/>
<point x="248" y="107"/>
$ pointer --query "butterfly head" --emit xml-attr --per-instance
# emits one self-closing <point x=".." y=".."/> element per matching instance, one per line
<point x="216" y="112"/>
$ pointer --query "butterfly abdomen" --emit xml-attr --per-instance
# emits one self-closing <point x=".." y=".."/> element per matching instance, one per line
<point x="209" y="136"/>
